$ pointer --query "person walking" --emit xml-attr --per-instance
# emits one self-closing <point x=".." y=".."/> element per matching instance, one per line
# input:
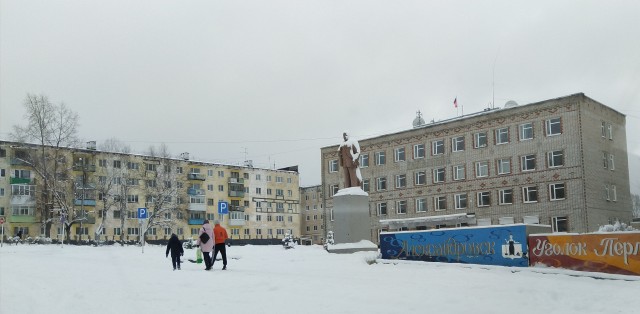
<point x="206" y="246"/>
<point x="220" y="235"/>
<point x="175" y="247"/>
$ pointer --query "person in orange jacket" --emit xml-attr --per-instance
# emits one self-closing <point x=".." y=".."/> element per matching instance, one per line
<point x="220" y="234"/>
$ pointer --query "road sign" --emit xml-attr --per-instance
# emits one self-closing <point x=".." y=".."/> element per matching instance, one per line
<point x="1" y="220"/>
<point x="223" y="207"/>
<point x="142" y="213"/>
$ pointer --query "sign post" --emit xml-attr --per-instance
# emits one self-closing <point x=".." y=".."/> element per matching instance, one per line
<point x="62" y="220"/>
<point x="142" y="215"/>
<point x="223" y="207"/>
<point x="2" y="224"/>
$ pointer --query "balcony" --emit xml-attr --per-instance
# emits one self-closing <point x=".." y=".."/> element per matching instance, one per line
<point x="236" y="181"/>
<point x="19" y="162"/>
<point x="85" y="202"/>
<point x="195" y="176"/>
<point x="83" y="167"/>
<point x="195" y="221"/>
<point x="193" y="191"/>
<point x="23" y="200"/>
<point x="87" y="220"/>
<point x="29" y="219"/>
<point x="21" y="181"/>
<point x="86" y="186"/>
<point x="198" y="207"/>
<point x="236" y="222"/>
<point x="236" y="193"/>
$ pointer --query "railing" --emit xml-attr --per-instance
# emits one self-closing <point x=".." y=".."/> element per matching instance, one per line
<point x="23" y="199"/>
<point x="197" y="207"/>
<point x="236" y="193"/>
<point x="236" y="222"/>
<point x="193" y="191"/>
<point x="19" y="162"/>
<point x="196" y="221"/>
<point x="85" y="202"/>
<point x="236" y="208"/>
<point x="14" y="180"/>
<point x="83" y="167"/>
<point x="25" y="218"/>
<point x="236" y="180"/>
<point x="195" y="176"/>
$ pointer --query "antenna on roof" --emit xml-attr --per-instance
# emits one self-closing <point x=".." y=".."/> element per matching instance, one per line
<point x="493" y="81"/>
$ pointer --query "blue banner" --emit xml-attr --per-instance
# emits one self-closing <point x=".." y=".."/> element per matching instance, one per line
<point x="494" y="245"/>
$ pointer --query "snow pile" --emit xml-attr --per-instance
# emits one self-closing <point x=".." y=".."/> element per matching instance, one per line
<point x="616" y="227"/>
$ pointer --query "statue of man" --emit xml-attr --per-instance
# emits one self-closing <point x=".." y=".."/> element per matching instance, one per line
<point x="349" y="152"/>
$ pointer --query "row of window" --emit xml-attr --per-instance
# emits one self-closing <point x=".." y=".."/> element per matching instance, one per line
<point x="529" y="194"/>
<point x="503" y="166"/>
<point x="315" y="217"/>
<point x="501" y="136"/>
<point x="167" y="168"/>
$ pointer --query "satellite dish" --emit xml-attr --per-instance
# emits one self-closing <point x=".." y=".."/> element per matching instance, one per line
<point x="510" y="104"/>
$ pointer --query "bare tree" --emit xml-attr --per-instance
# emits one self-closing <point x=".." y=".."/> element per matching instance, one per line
<point x="164" y="192"/>
<point x="115" y="145"/>
<point x="52" y="127"/>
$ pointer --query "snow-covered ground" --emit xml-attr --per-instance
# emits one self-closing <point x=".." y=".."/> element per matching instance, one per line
<point x="307" y="279"/>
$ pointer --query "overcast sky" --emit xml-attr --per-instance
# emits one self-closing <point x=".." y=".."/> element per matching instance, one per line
<point x="281" y="79"/>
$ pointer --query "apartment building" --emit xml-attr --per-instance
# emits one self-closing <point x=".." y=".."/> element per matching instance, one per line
<point x="312" y="215"/>
<point x="98" y="194"/>
<point x="561" y="162"/>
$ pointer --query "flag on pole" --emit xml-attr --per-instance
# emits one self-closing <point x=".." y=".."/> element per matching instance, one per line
<point x="455" y="103"/>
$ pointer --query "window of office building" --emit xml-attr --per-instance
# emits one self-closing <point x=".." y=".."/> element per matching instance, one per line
<point x="420" y="178"/>
<point x="525" y="131"/>
<point x="553" y="126"/>
<point x="438" y="175"/>
<point x="484" y="199"/>
<point x="364" y="160"/>
<point x="421" y="205"/>
<point x="529" y="194"/>
<point x="380" y="158"/>
<point x="480" y="140"/>
<point x="458" y="172"/>
<point x="401" y="207"/>
<point x="528" y="162"/>
<point x="437" y="147"/>
<point x="381" y="184"/>
<point x="503" y="165"/>
<point x="502" y="136"/>
<point x="440" y="203"/>
<point x="418" y="151"/>
<point x="457" y="144"/>
<point x="555" y="159"/>
<point x="482" y="169"/>
<point x="381" y="208"/>
<point x="460" y="200"/>
<point x="505" y="196"/>
<point x="399" y="154"/>
<point x="401" y="181"/>
<point x="556" y="191"/>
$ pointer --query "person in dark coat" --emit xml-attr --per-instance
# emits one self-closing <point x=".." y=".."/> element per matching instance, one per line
<point x="175" y="246"/>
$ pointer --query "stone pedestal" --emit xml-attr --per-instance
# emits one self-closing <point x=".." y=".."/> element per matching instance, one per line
<point x="351" y="221"/>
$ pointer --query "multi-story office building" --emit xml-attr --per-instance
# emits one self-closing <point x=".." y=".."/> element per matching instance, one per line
<point x="98" y="193"/>
<point x="312" y="215"/>
<point x="561" y="162"/>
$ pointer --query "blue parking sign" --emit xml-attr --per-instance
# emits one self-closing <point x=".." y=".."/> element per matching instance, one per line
<point x="142" y="213"/>
<point x="223" y="207"/>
